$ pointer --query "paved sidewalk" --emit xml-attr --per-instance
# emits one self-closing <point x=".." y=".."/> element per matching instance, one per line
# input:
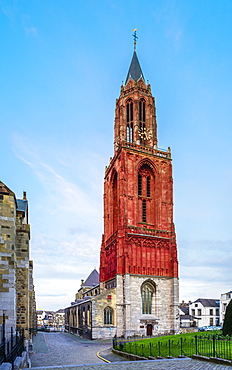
<point x="180" y="364"/>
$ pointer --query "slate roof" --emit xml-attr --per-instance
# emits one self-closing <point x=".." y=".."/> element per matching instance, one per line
<point x="61" y="310"/>
<point x="22" y="205"/>
<point x="135" y="71"/>
<point x="185" y="309"/>
<point x="92" y="279"/>
<point x="208" y="302"/>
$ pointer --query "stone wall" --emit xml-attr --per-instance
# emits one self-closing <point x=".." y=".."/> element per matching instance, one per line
<point x="7" y="258"/>
<point x="32" y="301"/>
<point x="107" y="298"/>
<point x="17" y="296"/>
<point x="22" y="274"/>
<point x="164" y="316"/>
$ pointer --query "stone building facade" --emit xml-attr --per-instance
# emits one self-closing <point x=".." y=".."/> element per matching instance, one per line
<point x="17" y="295"/>
<point x="207" y="311"/>
<point x="139" y="286"/>
<point x="224" y="301"/>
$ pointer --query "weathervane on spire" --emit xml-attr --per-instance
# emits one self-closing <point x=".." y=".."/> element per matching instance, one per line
<point x="135" y="38"/>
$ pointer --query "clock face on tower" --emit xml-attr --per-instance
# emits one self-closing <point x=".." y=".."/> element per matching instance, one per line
<point x="144" y="133"/>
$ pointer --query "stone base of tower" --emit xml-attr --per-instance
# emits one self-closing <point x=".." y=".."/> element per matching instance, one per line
<point x="163" y="317"/>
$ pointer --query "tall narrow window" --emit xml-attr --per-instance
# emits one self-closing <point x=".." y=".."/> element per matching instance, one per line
<point x="142" y="120"/>
<point x="146" y="182"/>
<point x="147" y="294"/>
<point x="142" y="117"/>
<point x="139" y="184"/>
<point x="129" y="120"/>
<point x="88" y="315"/>
<point x="115" y="203"/>
<point x="148" y="186"/>
<point x="129" y="133"/>
<point x="144" y="211"/>
<point x="108" y="316"/>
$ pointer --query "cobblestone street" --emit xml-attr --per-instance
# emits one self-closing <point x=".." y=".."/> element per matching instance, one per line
<point x="68" y="352"/>
<point x="52" y="349"/>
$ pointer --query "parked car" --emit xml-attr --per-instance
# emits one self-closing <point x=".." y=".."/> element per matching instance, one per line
<point x="209" y="328"/>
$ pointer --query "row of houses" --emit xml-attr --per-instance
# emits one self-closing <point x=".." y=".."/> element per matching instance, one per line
<point x="50" y="320"/>
<point x="204" y="312"/>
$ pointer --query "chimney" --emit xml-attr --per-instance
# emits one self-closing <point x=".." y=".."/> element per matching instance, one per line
<point x="24" y="195"/>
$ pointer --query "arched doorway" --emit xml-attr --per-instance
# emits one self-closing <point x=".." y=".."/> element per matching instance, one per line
<point x="149" y="329"/>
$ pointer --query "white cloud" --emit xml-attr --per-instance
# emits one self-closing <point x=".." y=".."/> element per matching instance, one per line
<point x="66" y="227"/>
<point x="205" y="268"/>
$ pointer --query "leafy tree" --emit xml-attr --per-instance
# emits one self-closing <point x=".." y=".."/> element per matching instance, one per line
<point x="227" y="325"/>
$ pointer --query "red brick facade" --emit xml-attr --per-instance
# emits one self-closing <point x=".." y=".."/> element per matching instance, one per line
<point x="139" y="233"/>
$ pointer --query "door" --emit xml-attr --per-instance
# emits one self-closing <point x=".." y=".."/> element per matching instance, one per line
<point x="149" y="330"/>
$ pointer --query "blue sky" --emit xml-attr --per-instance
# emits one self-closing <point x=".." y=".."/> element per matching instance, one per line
<point x="62" y="65"/>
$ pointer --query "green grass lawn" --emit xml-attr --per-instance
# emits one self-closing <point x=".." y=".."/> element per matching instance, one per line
<point x="210" y="344"/>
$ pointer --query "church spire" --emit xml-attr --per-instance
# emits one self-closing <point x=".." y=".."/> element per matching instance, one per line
<point x="135" y="71"/>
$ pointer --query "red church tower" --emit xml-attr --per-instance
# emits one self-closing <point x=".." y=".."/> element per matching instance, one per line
<point x="139" y="254"/>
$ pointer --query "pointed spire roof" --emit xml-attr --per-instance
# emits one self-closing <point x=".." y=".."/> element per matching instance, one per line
<point x="92" y="279"/>
<point x="135" y="71"/>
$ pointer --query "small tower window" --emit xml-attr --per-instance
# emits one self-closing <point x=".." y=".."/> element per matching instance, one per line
<point x="129" y="120"/>
<point x="129" y="133"/>
<point x="142" y="120"/>
<point x="129" y="111"/>
<point x="142" y="117"/>
<point x="144" y="211"/>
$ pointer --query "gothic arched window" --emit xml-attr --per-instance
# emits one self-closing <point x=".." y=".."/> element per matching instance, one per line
<point x="147" y="292"/>
<point x="108" y="316"/>
<point x="146" y="185"/>
<point x="129" y="120"/>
